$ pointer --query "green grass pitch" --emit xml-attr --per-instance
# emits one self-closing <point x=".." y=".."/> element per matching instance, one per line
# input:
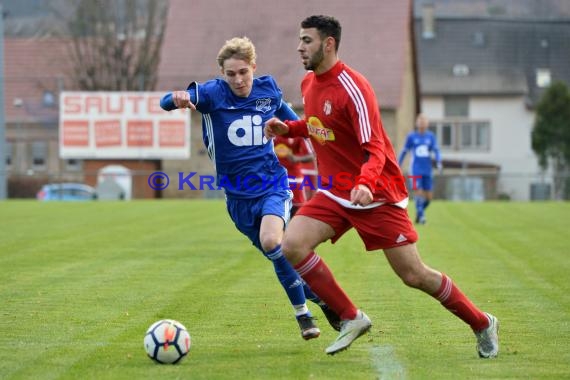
<point x="81" y="282"/>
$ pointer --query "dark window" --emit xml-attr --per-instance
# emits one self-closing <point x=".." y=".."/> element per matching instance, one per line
<point x="456" y="106"/>
<point x="39" y="154"/>
<point x="72" y="164"/>
<point x="8" y="147"/>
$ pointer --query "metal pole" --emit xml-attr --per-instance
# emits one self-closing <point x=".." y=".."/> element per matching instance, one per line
<point x="2" y="110"/>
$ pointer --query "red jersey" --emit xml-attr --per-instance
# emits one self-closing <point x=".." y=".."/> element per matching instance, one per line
<point x="342" y="118"/>
<point x="286" y="146"/>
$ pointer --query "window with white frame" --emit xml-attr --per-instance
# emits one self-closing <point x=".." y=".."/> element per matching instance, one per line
<point x="462" y="135"/>
<point x="444" y="133"/>
<point x="543" y="78"/>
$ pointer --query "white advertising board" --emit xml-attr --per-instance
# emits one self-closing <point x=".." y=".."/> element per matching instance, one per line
<point x="121" y="125"/>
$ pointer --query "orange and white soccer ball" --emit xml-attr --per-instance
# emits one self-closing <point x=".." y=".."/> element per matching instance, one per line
<point x="167" y="341"/>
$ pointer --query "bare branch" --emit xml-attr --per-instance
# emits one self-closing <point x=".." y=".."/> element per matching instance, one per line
<point x="115" y="43"/>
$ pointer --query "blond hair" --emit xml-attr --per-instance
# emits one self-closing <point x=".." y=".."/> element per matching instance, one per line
<point x="239" y="48"/>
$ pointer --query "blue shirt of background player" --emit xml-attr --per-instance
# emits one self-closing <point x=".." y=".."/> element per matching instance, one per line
<point x="421" y="145"/>
<point x="232" y="129"/>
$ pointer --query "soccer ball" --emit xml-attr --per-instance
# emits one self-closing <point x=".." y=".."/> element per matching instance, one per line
<point x="167" y="341"/>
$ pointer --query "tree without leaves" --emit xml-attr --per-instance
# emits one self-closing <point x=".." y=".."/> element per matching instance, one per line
<point x="115" y="44"/>
<point x="551" y="133"/>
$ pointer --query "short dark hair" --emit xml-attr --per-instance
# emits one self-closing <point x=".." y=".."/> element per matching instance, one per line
<point x="327" y="26"/>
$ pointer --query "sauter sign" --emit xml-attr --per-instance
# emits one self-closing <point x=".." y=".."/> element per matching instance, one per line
<point x="121" y="125"/>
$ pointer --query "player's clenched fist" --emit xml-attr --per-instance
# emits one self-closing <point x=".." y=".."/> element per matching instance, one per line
<point x="361" y="195"/>
<point x="275" y="127"/>
<point x="181" y="99"/>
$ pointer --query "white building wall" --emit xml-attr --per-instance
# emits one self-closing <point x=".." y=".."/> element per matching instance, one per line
<point x="510" y="140"/>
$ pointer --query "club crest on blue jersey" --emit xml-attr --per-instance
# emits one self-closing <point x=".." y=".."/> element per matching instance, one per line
<point x="263" y="105"/>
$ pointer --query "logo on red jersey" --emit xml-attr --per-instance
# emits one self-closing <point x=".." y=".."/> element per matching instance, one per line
<point x="282" y="150"/>
<point x="327" y="108"/>
<point x="318" y="131"/>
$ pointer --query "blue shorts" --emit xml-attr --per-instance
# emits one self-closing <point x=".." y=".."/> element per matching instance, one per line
<point x="422" y="182"/>
<point x="247" y="213"/>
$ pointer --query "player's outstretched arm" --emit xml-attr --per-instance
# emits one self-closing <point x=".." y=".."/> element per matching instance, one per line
<point x="275" y="127"/>
<point x="176" y="99"/>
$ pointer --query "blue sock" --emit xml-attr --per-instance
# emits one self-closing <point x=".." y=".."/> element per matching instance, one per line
<point x="420" y="206"/>
<point x="426" y="204"/>
<point x="288" y="277"/>
<point x="310" y="295"/>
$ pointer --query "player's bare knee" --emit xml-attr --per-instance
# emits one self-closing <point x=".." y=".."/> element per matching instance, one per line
<point x="412" y="279"/>
<point x="421" y="278"/>
<point x="270" y="241"/>
<point x="292" y="250"/>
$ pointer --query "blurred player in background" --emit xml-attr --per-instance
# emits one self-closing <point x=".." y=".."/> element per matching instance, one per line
<point x="233" y="110"/>
<point x="292" y="152"/>
<point x="343" y="116"/>
<point x="422" y="144"/>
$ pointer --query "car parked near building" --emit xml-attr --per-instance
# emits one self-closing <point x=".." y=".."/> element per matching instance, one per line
<point x="66" y="192"/>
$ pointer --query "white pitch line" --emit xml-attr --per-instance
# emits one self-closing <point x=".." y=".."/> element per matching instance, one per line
<point x="386" y="363"/>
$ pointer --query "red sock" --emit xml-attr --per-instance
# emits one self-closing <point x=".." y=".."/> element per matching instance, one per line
<point x="456" y="302"/>
<point x="321" y="280"/>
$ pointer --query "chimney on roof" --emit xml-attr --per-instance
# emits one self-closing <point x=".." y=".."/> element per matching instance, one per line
<point x="428" y="20"/>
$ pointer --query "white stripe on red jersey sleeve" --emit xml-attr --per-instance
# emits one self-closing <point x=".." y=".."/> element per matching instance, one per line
<point x="359" y="103"/>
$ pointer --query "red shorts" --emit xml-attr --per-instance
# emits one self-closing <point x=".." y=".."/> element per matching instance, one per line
<point x="298" y="197"/>
<point x="381" y="227"/>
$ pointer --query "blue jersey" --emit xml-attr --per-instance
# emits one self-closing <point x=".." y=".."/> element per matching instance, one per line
<point x="232" y="130"/>
<point x="422" y="145"/>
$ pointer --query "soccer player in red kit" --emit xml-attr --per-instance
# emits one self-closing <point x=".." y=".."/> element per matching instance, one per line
<point x="291" y="152"/>
<point x="366" y="190"/>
